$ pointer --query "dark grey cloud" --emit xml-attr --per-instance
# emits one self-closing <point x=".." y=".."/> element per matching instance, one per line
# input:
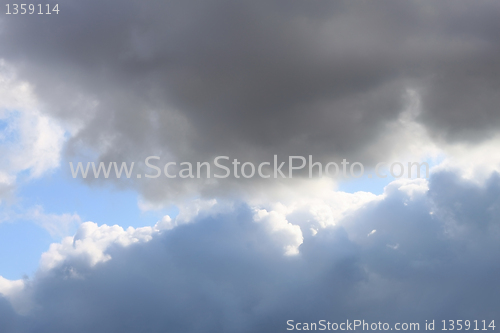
<point x="193" y="80"/>
<point x="224" y="273"/>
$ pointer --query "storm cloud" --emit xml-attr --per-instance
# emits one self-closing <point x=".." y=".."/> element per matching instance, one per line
<point x="193" y="80"/>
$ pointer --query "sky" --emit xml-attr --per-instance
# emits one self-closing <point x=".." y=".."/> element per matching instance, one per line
<point x="258" y="81"/>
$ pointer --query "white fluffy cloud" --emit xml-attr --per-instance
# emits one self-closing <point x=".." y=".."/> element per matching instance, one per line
<point x="91" y="242"/>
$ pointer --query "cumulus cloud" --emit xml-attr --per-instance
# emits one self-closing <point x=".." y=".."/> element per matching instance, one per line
<point x="228" y="272"/>
<point x="278" y="225"/>
<point x="90" y="244"/>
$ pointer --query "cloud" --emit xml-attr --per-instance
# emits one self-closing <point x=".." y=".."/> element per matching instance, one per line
<point x="90" y="244"/>
<point x="230" y="272"/>
<point x="475" y="162"/>
<point x="56" y="225"/>
<point x="13" y="291"/>
<point x="30" y="140"/>
<point x="278" y="225"/>
<point x="191" y="81"/>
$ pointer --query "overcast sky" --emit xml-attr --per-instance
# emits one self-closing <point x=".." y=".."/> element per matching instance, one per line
<point x="187" y="81"/>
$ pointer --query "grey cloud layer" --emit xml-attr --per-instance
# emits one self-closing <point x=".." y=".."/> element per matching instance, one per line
<point x="197" y="79"/>
<point x="224" y="273"/>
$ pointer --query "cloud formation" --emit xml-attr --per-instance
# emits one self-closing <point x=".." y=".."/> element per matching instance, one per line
<point x="30" y="140"/>
<point x="193" y="80"/>
<point x="226" y="271"/>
